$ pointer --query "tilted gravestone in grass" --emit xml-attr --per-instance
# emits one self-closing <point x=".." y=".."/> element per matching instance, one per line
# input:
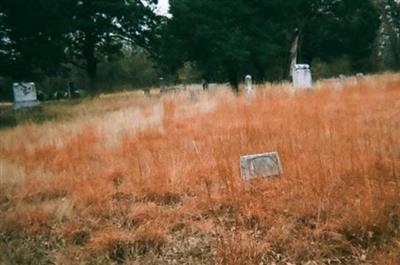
<point x="25" y="95"/>
<point x="260" y="165"/>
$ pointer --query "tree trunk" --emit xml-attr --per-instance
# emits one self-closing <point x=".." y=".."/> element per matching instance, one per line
<point x="233" y="80"/>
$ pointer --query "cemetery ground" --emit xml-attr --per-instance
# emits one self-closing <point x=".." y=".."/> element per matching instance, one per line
<point x="130" y="179"/>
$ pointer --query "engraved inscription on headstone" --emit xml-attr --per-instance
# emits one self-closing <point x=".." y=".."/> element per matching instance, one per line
<point x="25" y="95"/>
<point x="302" y="78"/>
<point x="260" y="165"/>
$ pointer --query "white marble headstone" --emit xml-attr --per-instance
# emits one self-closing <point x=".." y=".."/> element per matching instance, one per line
<point x="248" y="86"/>
<point x="260" y="165"/>
<point x="248" y="82"/>
<point x="25" y="95"/>
<point x="302" y="78"/>
<point x="359" y="75"/>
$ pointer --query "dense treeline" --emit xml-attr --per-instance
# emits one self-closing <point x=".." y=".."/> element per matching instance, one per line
<point x="45" y="38"/>
<point x="101" y="44"/>
<point x="228" y="39"/>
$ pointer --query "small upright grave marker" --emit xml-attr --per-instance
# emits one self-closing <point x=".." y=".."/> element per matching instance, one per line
<point x="248" y="82"/>
<point x="341" y="82"/>
<point x="25" y="95"/>
<point x="260" y="165"/>
<point x="302" y="78"/>
<point x="248" y="86"/>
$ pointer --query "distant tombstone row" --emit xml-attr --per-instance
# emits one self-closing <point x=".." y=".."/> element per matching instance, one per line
<point x="301" y="74"/>
<point x="302" y="78"/>
<point x="260" y="165"/>
<point x="343" y="80"/>
<point x="25" y="95"/>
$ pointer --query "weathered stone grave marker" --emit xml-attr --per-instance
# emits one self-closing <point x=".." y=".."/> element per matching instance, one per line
<point x="25" y="95"/>
<point x="343" y="78"/>
<point x="248" y="86"/>
<point x="302" y="78"/>
<point x="360" y="75"/>
<point x="248" y="82"/>
<point x="341" y="82"/>
<point x="260" y="165"/>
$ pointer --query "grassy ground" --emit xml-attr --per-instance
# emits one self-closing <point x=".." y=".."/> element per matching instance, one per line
<point x="64" y="110"/>
<point x="129" y="179"/>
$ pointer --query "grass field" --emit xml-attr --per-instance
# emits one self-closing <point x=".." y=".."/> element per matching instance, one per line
<point x="129" y="179"/>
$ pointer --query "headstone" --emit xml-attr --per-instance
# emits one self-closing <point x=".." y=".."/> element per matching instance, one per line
<point x="25" y="95"/>
<point x="302" y="78"/>
<point x="342" y="77"/>
<point x="260" y="165"/>
<point x="248" y="86"/>
<point x="248" y="82"/>
<point x="360" y="75"/>
<point x="341" y="83"/>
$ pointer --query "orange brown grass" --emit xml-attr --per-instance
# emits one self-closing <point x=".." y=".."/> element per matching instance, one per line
<point x="170" y="190"/>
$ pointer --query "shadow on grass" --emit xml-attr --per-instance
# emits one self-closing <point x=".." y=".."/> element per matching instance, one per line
<point x="49" y="111"/>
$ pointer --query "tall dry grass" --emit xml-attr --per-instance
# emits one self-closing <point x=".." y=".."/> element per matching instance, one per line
<point x="163" y="185"/>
